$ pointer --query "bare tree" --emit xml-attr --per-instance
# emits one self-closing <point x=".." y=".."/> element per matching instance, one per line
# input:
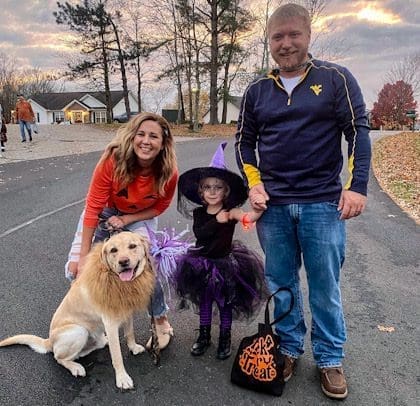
<point x="90" y="22"/>
<point x="8" y="84"/>
<point x="27" y="81"/>
<point x="232" y="53"/>
<point x="36" y="81"/>
<point x="136" y="37"/>
<point x="407" y="70"/>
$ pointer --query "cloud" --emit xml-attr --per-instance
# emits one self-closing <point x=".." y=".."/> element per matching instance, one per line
<point x="14" y="38"/>
<point x="377" y="33"/>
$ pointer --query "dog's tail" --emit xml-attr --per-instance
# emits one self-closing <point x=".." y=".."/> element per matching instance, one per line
<point x="38" y="344"/>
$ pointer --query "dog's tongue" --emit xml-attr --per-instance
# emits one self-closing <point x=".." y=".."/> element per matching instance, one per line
<point x="126" y="275"/>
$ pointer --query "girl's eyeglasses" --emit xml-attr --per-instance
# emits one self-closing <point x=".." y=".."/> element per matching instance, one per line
<point x="214" y="188"/>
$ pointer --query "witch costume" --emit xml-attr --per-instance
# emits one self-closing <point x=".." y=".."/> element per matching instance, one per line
<point x="217" y="269"/>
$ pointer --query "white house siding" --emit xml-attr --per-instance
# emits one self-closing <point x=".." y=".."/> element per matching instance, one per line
<point x="119" y="108"/>
<point x="232" y="113"/>
<point x="41" y="115"/>
<point x="92" y="101"/>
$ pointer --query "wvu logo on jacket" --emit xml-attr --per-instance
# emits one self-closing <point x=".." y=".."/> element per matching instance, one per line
<point x="317" y="89"/>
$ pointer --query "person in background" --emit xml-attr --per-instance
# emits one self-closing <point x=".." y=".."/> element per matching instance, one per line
<point x="294" y="117"/>
<point x="24" y="116"/>
<point x="3" y="132"/>
<point x="133" y="183"/>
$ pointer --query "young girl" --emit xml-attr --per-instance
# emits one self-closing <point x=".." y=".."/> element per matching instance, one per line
<point x="217" y="269"/>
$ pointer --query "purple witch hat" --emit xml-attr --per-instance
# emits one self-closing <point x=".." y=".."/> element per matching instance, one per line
<point x="189" y="182"/>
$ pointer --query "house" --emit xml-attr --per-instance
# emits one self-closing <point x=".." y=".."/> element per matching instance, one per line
<point x="78" y="107"/>
<point x="232" y="114"/>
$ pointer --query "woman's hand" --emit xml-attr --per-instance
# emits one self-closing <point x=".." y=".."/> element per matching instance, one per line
<point x="72" y="268"/>
<point x="80" y="266"/>
<point x="116" y="221"/>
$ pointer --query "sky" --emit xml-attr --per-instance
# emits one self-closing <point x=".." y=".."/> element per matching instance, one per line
<point x="378" y="33"/>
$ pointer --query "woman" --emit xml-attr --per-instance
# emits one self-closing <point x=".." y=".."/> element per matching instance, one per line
<point x="132" y="184"/>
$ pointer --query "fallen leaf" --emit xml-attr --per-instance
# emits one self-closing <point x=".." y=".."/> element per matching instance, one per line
<point x="386" y="329"/>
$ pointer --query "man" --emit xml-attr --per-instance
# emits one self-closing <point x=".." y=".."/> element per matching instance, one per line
<point x="24" y="116"/>
<point x="295" y="117"/>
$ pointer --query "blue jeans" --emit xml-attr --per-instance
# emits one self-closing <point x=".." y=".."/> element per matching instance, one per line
<point x="22" y="125"/>
<point x="312" y="232"/>
<point x="158" y="306"/>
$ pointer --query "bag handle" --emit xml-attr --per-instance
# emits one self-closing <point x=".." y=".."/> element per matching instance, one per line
<point x="267" y="313"/>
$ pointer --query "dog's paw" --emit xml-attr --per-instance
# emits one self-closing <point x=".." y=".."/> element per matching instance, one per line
<point x="124" y="381"/>
<point x="77" y="369"/>
<point x="137" y="349"/>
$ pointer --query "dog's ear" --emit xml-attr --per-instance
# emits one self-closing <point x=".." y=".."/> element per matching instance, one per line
<point x="144" y="241"/>
<point x="104" y="254"/>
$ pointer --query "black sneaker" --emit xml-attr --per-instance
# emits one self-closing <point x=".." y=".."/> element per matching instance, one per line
<point x="23" y="141"/>
<point x="30" y="138"/>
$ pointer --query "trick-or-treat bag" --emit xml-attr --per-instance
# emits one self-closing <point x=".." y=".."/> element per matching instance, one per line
<point x="258" y="364"/>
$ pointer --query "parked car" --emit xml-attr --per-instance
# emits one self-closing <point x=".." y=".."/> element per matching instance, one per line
<point x="122" y="118"/>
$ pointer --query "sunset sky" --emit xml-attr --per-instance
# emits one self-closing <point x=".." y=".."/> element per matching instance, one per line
<point x="379" y="33"/>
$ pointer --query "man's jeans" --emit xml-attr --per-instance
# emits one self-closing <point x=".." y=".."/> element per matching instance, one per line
<point x="314" y="232"/>
<point x="22" y="125"/>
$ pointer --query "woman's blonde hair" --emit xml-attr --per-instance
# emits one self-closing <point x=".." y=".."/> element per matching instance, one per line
<point x="126" y="163"/>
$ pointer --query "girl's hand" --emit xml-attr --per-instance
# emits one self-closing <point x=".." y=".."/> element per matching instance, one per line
<point x="258" y="197"/>
<point x="222" y="216"/>
<point x="235" y="214"/>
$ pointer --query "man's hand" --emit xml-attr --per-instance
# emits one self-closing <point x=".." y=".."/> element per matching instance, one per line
<point x="351" y="204"/>
<point x="258" y="197"/>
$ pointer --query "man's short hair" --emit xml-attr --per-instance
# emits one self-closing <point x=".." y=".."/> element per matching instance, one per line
<point x="290" y="10"/>
<point x="19" y="95"/>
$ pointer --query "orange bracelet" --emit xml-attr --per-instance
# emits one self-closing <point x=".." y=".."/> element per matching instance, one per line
<point x="246" y="222"/>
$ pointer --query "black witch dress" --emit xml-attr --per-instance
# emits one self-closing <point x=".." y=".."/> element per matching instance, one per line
<point x="229" y="271"/>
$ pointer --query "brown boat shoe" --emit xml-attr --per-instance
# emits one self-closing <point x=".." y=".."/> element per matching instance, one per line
<point x="333" y="382"/>
<point x="289" y="367"/>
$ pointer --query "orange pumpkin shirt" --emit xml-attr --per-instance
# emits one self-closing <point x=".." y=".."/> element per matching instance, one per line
<point x="105" y="191"/>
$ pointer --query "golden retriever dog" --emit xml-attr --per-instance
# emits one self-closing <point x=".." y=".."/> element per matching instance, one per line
<point x="117" y="280"/>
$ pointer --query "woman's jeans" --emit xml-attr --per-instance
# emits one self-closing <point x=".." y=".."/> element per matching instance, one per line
<point x="158" y="306"/>
<point x="313" y="232"/>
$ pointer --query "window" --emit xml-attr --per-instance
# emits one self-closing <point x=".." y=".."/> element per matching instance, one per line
<point x="58" y="116"/>
<point x="100" y="116"/>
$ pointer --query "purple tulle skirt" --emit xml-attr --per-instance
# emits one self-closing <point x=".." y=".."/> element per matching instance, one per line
<point x="236" y="280"/>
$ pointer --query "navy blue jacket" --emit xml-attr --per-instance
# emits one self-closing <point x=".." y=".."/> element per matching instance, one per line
<point x="298" y="136"/>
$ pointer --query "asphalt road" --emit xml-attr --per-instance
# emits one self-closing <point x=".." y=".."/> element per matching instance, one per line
<point x="40" y="203"/>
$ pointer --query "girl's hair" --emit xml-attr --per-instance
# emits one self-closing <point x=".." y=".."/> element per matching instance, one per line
<point x="225" y="185"/>
<point x="126" y="163"/>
